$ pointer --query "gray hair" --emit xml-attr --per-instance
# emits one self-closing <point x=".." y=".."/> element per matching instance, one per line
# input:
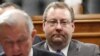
<point x="55" y="5"/>
<point x="5" y="18"/>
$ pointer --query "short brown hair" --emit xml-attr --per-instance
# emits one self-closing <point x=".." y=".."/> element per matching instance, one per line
<point x="55" y="5"/>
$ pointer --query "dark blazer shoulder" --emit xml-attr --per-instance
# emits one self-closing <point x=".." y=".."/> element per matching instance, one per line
<point x="86" y="49"/>
<point x="40" y="52"/>
<point x="40" y="45"/>
<point x="85" y="45"/>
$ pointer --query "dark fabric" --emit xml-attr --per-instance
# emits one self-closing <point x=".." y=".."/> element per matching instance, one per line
<point x="37" y="39"/>
<point x="76" y="48"/>
<point x="38" y="52"/>
<point x="60" y="53"/>
<point x="91" y="6"/>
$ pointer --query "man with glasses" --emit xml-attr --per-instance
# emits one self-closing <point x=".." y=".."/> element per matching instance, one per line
<point x="58" y="26"/>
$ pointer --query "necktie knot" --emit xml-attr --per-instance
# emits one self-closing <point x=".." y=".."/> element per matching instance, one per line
<point x="60" y="53"/>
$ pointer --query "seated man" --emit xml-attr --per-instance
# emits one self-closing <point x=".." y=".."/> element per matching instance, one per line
<point x="17" y="33"/>
<point x="58" y="26"/>
<point x="10" y="6"/>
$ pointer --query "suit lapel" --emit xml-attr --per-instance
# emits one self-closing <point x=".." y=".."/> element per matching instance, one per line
<point x="73" y="49"/>
<point x="41" y="46"/>
<point x="3" y="55"/>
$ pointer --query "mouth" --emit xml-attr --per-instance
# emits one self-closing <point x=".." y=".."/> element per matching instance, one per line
<point x="18" y="55"/>
<point x="58" y="36"/>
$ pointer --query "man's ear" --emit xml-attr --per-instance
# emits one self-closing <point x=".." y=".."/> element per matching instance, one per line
<point x="43" y="26"/>
<point x="34" y="33"/>
<point x="73" y="26"/>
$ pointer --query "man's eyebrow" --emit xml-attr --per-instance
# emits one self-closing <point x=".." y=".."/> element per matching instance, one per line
<point x="23" y="37"/>
<point x="4" y="37"/>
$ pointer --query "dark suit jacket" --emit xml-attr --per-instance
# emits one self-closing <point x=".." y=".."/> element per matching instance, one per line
<point x="77" y="48"/>
<point x="39" y="52"/>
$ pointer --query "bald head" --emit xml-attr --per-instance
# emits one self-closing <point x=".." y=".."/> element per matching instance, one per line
<point x="16" y="17"/>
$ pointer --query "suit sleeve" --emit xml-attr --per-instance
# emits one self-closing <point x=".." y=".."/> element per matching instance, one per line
<point x="97" y="51"/>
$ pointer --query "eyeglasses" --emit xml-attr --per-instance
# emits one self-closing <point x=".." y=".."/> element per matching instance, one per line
<point x="56" y="22"/>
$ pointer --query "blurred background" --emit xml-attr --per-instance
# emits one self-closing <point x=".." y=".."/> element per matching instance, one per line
<point x="36" y="7"/>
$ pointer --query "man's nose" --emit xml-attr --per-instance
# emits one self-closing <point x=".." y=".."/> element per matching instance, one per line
<point x="58" y="27"/>
<point x="16" y="48"/>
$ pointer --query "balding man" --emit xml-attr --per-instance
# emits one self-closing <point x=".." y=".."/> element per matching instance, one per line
<point x="17" y="33"/>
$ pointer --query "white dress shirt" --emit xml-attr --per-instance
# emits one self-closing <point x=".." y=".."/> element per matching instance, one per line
<point x="64" y="51"/>
<point x="31" y="52"/>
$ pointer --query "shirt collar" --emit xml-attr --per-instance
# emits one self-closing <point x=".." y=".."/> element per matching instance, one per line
<point x="31" y="52"/>
<point x="65" y="50"/>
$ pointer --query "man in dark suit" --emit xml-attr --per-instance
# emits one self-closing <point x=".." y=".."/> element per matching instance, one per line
<point x="10" y="6"/>
<point x="58" y="26"/>
<point x="17" y="33"/>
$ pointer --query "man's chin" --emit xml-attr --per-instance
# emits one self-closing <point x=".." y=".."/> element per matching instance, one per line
<point x="58" y="38"/>
<point x="57" y="41"/>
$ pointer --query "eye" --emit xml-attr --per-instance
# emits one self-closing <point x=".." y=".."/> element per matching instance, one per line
<point x="9" y="42"/>
<point x="64" y="22"/>
<point x="22" y="40"/>
<point x="53" y="22"/>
